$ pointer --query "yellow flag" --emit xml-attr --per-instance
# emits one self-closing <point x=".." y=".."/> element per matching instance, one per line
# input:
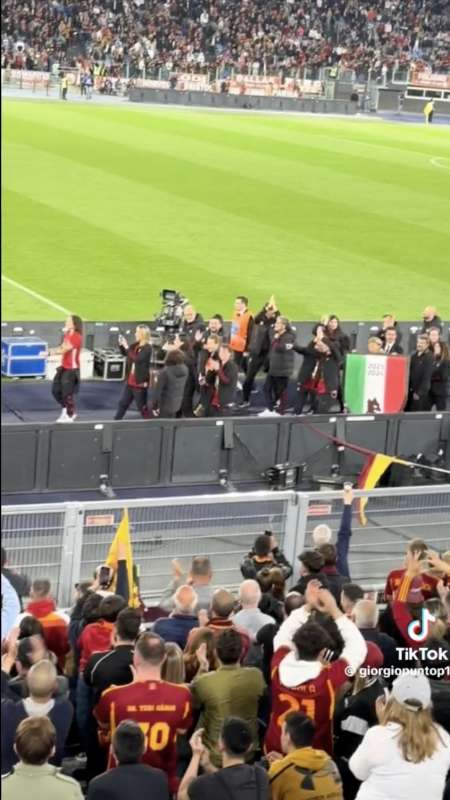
<point x="121" y="550"/>
<point x="272" y="302"/>
<point x="373" y="471"/>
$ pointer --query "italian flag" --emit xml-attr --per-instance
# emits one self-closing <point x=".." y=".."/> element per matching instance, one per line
<point x="376" y="383"/>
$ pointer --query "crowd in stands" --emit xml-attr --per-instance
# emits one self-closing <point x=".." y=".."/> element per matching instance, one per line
<point x="302" y="685"/>
<point x="210" y="373"/>
<point x="248" y="36"/>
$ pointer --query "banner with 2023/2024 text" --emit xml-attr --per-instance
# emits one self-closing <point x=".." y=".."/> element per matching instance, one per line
<point x="376" y="383"/>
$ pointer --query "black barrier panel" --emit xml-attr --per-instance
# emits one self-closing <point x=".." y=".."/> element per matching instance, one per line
<point x="307" y="446"/>
<point x="197" y="453"/>
<point x="422" y="435"/>
<point x="136" y="455"/>
<point x="76" y="459"/>
<point x="255" y="449"/>
<point x="19" y="459"/>
<point x="49" y="458"/>
<point x="363" y="433"/>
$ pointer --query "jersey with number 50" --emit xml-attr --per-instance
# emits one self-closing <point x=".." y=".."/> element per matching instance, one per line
<point x="314" y="697"/>
<point x="161" y="709"/>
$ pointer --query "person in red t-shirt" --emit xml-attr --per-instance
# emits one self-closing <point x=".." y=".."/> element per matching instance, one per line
<point x="303" y="680"/>
<point x="67" y="377"/>
<point x="161" y="709"/>
<point x="426" y="583"/>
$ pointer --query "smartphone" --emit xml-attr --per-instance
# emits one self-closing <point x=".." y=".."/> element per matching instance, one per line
<point x="104" y="576"/>
<point x="348" y="485"/>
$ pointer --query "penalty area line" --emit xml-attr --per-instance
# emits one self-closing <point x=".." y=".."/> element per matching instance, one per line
<point x="36" y="295"/>
<point x="436" y="162"/>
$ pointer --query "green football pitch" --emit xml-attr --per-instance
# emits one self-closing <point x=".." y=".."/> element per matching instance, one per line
<point x="104" y="206"/>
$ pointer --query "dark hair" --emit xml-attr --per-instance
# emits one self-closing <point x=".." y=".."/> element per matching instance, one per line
<point x="218" y="317"/>
<point x="111" y="606"/>
<point x="201" y="566"/>
<point x="418" y="546"/>
<point x="30" y="626"/>
<point x="91" y="607"/>
<point x="236" y="736"/>
<point x="313" y="560"/>
<point x="4" y="559"/>
<point x="293" y="600"/>
<point x="174" y="358"/>
<point x="25" y="652"/>
<point x="229" y="646"/>
<point x="128" y="742"/>
<point x="353" y="592"/>
<point x="222" y="603"/>
<point x="390" y="328"/>
<point x="271" y="579"/>
<point x="41" y="587"/>
<point x="151" y="648"/>
<point x="329" y="626"/>
<point x="310" y="640"/>
<point x="328" y="551"/>
<point x="243" y="299"/>
<point x="35" y="740"/>
<point x="77" y="323"/>
<point x="127" y="624"/>
<point x="301" y="729"/>
<point x="261" y="544"/>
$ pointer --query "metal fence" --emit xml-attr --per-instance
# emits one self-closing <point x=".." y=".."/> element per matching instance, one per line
<point x="65" y="542"/>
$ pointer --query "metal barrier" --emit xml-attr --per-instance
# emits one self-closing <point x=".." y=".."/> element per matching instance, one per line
<point x="65" y="542"/>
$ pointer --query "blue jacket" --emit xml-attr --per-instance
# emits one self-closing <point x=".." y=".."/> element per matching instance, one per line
<point x="175" y="628"/>
<point x="12" y="715"/>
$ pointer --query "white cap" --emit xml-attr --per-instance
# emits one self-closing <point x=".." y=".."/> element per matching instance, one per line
<point x="321" y="534"/>
<point x="412" y="690"/>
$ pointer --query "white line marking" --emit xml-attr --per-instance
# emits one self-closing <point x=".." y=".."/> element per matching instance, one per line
<point x="435" y="162"/>
<point x="36" y="295"/>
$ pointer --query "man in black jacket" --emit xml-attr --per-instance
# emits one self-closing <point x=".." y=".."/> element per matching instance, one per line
<point x="391" y="346"/>
<point x="365" y="615"/>
<point x="431" y="319"/>
<point x="281" y="364"/>
<point x="169" y="391"/>
<point x="265" y="553"/>
<point x="420" y="372"/>
<point x="319" y="373"/>
<point x="129" y="779"/>
<point x="192" y="322"/>
<point x="137" y="372"/>
<point x="113" y="668"/>
<point x="221" y="380"/>
<point x="258" y="348"/>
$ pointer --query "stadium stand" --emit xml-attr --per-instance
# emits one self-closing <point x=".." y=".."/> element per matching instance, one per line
<point x="249" y="37"/>
<point x="250" y="719"/>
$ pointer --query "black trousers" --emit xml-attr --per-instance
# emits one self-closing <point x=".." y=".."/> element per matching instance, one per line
<point x="275" y="392"/>
<point x="130" y="393"/>
<point x="254" y="364"/>
<point x="319" y="403"/>
<point x="422" y="404"/>
<point x="439" y="401"/>
<point x="64" y="94"/>
<point x="240" y="361"/>
<point x="64" y="387"/>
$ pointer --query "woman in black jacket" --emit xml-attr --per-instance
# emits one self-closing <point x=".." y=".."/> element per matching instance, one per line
<point x="169" y="390"/>
<point x="440" y="376"/>
<point x="319" y="374"/>
<point x="336" y="335"/>
<point x="137" y="372"/>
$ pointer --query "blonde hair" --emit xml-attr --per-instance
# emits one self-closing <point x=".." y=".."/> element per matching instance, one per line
<point x="173" y="668"/>
<point x="146" y="333"/>
<point x="419" y="737"/>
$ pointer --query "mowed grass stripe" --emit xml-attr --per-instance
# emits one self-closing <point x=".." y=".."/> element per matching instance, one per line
<point x="283" y="170"/>
<point x="348" y="157"/>
<point x="325" y="220"/>
<point x="305" y="273"/>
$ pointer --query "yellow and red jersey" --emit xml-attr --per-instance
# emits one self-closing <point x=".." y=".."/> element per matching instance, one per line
<point x="394" y="579"/>
<point x="161" y="709"/>
<point x="314" y="697"/>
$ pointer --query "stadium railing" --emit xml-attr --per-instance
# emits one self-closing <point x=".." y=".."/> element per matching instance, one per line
<point x="67" y="541"/>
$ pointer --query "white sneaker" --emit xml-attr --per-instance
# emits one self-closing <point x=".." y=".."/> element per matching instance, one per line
<point x="63" y="417"/>
<point x="267" y="413"/>
<point x="71" y="419"/>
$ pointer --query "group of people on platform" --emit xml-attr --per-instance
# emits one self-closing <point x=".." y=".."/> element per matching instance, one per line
<point x="206" y="373"/>
<point x="304" y="693"/>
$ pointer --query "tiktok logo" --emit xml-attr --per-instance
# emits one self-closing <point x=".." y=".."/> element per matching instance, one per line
<point x="418" y="629"/>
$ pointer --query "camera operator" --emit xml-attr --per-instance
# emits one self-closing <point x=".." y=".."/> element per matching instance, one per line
<point x="137" y="372"/>
<point x="191" y="323"/>
<point x="169" y="391"/>
<point x="221" y="381"/>
<point x="281" y="364"/>
<point x="258" y="347"/>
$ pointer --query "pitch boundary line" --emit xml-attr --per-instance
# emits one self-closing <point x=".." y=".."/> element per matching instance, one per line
<point x="435" y="162"/>
<point x="36" y="295"/>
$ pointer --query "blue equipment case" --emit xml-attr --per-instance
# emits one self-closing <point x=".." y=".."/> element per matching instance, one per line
<point x="24" y="357"/>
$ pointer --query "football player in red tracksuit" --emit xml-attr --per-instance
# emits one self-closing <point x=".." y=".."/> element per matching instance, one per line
<point x="67" y="378"/>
